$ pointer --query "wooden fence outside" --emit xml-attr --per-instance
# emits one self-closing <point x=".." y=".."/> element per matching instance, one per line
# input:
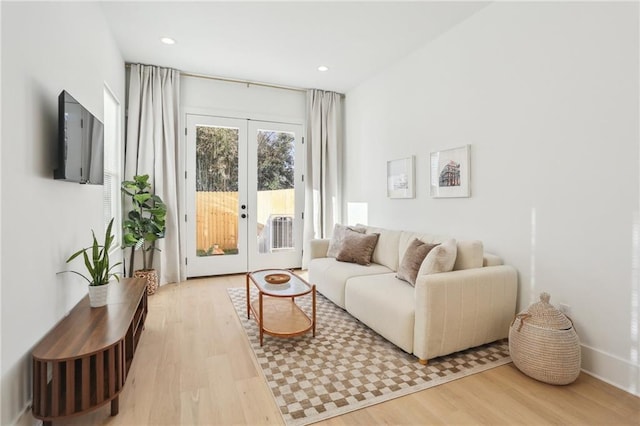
<point x="217" y="216"/>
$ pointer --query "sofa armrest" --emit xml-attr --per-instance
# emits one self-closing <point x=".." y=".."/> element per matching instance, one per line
<point x="463" y="309"/>
<point x="318" y="248"/>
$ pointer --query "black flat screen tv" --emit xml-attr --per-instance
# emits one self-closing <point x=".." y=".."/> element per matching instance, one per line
<point x="80" y="143"/>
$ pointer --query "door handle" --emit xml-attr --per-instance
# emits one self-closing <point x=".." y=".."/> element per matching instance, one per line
<point x="243" y="215"/>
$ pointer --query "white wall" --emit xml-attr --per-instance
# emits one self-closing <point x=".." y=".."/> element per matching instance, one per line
<point x="547" y="96"/>
<point x="228" y="99"/>
<point x="46" y="47"/>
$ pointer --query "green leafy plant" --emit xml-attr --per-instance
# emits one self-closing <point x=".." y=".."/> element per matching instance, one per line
<point x="207" y="252"/>
<point x="145" y="223"/>
<point x="96" y="260"/>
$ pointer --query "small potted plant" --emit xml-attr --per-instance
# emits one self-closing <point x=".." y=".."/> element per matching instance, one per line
<point x="145" y="224"/>
<point x="99" y="270"/>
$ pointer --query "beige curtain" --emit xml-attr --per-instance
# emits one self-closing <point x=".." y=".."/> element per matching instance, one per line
<point x="323" y="199"/>
<point x="152" y="147"/>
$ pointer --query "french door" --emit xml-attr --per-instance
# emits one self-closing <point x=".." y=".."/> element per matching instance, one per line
<point x="244" y="195"/>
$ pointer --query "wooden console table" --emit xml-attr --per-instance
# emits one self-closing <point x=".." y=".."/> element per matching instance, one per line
<point x="83" y="362"/>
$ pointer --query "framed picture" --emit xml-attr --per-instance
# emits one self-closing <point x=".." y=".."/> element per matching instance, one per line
<point x="400" y="180"/>
<point x="450" y="173"/>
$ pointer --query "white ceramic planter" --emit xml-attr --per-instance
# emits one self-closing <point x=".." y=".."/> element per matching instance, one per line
<point x="98" y="295"/>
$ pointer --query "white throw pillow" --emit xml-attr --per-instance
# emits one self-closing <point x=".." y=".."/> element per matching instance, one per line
<point x="440" y="259"/>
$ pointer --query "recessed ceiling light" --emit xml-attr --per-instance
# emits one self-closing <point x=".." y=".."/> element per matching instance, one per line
<point x="167" y="40"/>
<point x="323" y="68"/>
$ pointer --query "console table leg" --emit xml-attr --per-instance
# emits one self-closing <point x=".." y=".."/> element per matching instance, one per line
<point x="115" y="405"/>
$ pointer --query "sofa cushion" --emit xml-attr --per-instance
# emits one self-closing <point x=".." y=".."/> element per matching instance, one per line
<point x="407" y="237"/>
<point x="440" y="259"/>
<point x="330" y="276"/>
<point x="412" y="260"/>
<point x="491" y="260"/>
<point x="357" y="247"/>
<point x="470" y="255"/>
<point x="368" y="299"/>
<point x="386" y="252"/>
<point x="338" y="236"/>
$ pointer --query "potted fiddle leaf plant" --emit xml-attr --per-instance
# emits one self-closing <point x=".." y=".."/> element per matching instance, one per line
<point x="99" y="269"/>
<point x="145" y="224"/>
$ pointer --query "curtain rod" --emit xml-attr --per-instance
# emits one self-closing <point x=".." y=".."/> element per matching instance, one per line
<point x="233" y="80"/>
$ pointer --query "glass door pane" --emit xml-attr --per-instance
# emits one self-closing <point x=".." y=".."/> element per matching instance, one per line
<point x="276" y="190"/>
<point x="216" y="191"/>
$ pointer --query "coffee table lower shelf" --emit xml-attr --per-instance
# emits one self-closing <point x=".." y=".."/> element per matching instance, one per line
<point x="281" y="317"/>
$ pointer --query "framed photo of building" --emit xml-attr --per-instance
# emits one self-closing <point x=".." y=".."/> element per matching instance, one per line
<point x="450" y="173"/>
<point x="400" y="178"/>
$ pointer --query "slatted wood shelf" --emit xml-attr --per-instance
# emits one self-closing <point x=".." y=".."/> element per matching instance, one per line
<point x="282" y="317"/>
<point x="82" y="363"/>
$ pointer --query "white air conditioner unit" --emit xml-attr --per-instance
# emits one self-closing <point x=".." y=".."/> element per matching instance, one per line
<point x="281" y="232"/>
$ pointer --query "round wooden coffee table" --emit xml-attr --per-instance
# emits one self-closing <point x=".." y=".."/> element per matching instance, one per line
<point x="275" y="308"/>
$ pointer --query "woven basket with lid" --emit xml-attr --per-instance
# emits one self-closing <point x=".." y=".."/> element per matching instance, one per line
<point x="544" y="344"/>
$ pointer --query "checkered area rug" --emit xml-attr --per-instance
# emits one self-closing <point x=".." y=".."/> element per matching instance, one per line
<point x="348" y="366"/>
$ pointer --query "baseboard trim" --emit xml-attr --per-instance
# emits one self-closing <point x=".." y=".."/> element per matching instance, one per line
<point x="25" y="418"/>
<point x="611" y="369"/>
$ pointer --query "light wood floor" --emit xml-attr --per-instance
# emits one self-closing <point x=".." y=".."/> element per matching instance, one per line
<point x="194" y="367"/>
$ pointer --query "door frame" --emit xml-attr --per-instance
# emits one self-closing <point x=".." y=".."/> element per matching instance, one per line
<point x="227" y="114"/>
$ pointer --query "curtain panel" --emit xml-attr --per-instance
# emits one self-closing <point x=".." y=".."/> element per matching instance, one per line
<point x="323" y="198"/>
<point x="153" y="147"/>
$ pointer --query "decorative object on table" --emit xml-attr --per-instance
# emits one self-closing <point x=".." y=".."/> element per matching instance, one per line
<point x="544" y="344"/>
<point x="145" y="224"/>
<point x="277" y="278"/>
<point x="98" y="268"/>
<point x="400" y="179"/>
<point x="304" y="372"/>
<point x="450" y="173"/>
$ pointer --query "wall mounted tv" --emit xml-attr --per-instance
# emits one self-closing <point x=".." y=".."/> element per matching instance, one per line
<point x="80" y="143"/>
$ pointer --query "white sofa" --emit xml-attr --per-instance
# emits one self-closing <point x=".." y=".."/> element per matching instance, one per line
<point x="444" y="313"/>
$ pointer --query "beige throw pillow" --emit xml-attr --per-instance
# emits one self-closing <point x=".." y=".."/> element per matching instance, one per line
<point x="412" y="260"/>
<point x="440" y="259"/>
<point x="339" y="234"/>
<point x="357" y="247"/>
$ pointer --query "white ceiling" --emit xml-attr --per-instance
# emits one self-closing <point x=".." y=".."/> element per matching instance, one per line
<point x="281" y="42"/>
